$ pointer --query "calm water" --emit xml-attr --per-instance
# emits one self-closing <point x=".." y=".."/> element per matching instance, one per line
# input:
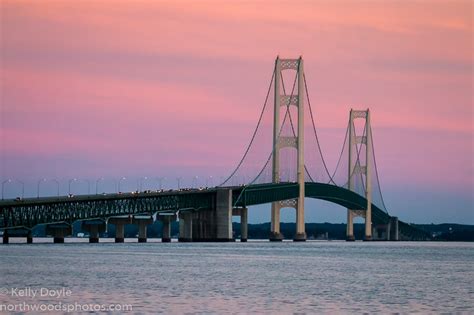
<point x="253" y="277"/>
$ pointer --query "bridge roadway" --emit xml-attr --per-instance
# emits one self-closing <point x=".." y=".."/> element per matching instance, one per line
<point x="29" y="212"/>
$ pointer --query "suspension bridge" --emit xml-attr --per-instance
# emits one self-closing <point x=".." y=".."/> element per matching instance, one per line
<point x="283" y="164"/>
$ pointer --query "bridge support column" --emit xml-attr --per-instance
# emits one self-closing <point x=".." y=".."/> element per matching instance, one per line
<point x="197" y="226"/>
<point x="244" y="225"/>
<point x="368" y="184"/>
<point x="368" y="225"/>
<point x="142" y="222"/>
<point x="394" y="235"/>
<point x="59" y="231"/>
<point x="120" y="223"/>
<point x="350" y="227"/>
<point x="300" y="235"/>
<point x="94" y="234"/>
<point x="243" y="213"/>
<point x="29" y="237"/>
<point x="120" y="233"/>
<point x="208" y="224"/>
<point x="300" y="223"/>
<point x="389" y="231"/>
<point x="275" y="235"/>
<point x="185" y="227"/>
<point x="94" y="227"/>
<point x="166" y="220"/>
<point x="224" y="215"/>
<point x="6" y="238"/>
<point x="381" y="232"/>
<point x="203" y="226"/>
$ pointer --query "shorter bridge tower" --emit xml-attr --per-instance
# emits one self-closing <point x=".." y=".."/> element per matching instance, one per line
<point x="356" y="146"/>
<point x="297" y="142"/>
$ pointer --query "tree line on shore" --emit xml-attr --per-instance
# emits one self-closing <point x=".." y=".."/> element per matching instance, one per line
<point x="327" y="231"/>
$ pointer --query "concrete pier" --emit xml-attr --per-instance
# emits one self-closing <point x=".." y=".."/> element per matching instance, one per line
<point x="94" y="234"/>
<point x="300" y="237"/>
<point x="224" y="215"/>
<point x="6" y="238"/>
<point x="381" y="232"/>
<point x="275" y="235"/>
<point x="209" y="225"/>
<point x="350" y="227"/>
<point x="244" y="225"/>
<point x="94" y="227"/>
<point x="386" y="232"/>
<point x="59" y="231"/>
<point x="142" y="222"/>
<point x="166" y="219"/>
<point x="203" y="226"/>
<point x="394" y="233"/>
<point x="197" y="226"/>
<point x="120" y="222"/>
<point x="29" y="238"/>
<point x="185" y="227"/>
<point x="243" y="213"/>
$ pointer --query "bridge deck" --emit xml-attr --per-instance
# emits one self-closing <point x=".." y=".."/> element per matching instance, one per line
<point x="27" y="213"/>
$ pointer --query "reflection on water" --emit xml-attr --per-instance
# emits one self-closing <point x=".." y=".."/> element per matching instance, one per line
<point x="257" y="276"/>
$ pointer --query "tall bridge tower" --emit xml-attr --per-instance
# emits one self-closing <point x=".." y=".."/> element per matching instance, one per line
<point x="297" y="142"/>
<point x="356" y="170"/>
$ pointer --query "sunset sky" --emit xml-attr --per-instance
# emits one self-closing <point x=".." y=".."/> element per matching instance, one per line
<point x="94" y="89"/>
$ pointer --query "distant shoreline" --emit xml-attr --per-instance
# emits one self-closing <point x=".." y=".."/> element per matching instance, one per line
<point x="314" y="231"/>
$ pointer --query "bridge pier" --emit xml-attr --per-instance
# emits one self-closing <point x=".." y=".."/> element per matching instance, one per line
<point x="59" y="231"/>
<point x="94" y="227"/>
<point x="350" y="227"/>
<point x="275" y="235"/>
<point x="166" y="220"/>
<point x="6" y="238"/>
<point x="185" y="227"/>
<point x="368" y="229"/>
<point x="394" y="234"/>
<point x="381" y="232"/>
<point x="197" y="226"/>
<point x="244" y="225"/>
<point x="209" y="225"/>
<point x="300" y="235"/>
<point x="94" y="234"/>
<point x="29" y="237"/>
<point x="142" y="222"/>
<point x="203" y="226"/>
<point x="224" y="215"/>
<point x="351" y="214"/>
<point x="387" y="232"/>
<point x="120" y="223"/>
<point x="243" y="213"/>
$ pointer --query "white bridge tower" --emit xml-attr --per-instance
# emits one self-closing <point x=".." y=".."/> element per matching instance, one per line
<point x="356" y="169"/>
<point x="297" y="142"/>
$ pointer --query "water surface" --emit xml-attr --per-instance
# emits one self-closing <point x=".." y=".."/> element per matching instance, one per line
<point x="253" y="277"/>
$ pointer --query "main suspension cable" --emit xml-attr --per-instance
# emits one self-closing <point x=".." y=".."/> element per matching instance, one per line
<point x="274" y="147"/>
<point x="254" y="133"/>
<point x="377" y="173"/>
<point x="314" y="129"/>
